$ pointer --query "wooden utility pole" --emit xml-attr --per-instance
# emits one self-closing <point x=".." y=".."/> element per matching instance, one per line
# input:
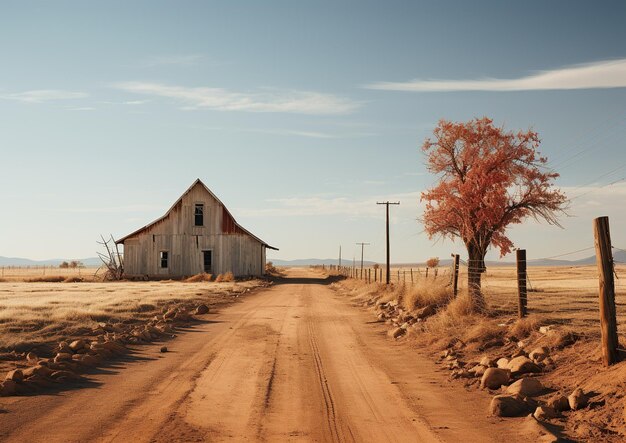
<point x="455" y="278"/>
<point x="387" y="203"/>
<point x="521" y="282"/>
<point x="362" y="247"/>
<point x="604" y="260"/>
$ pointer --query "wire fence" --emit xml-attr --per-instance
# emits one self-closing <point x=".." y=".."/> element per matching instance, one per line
<point x="18" y="273"/>
<point x="559" y="294"/>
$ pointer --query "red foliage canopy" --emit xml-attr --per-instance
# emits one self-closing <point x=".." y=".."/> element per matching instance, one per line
<point x="489" y="179"/>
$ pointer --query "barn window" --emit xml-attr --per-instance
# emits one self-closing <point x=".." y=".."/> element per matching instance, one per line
<point x="164" y="255"/>
<point x="199" y="214"/>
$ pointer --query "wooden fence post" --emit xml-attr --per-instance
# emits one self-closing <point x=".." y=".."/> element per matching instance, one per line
<point x="426" y="272"/>
<point x="455" y="278"/>
<point x="369" y="275"/>
<point x="411" y="275"/>
<point x="604" y="261"/>
<point x="521" y="283"/>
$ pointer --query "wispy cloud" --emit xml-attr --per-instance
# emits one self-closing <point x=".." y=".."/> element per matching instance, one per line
<point x="602" y="74"/>
<point x="270" y="100"/>
<point x="315" y="205"/>
<point x="291" y="132"/>
<point x="135" y="102"/>
<point x="172" y="60"/>
<point x="82" y="108"/>
<point x="43" y="95"/>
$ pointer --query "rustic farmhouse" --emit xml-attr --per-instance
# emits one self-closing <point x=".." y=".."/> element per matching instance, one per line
<point x="197" y="234"/>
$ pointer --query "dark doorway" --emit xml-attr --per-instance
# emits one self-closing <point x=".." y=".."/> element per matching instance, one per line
<point x="207" y="260"/>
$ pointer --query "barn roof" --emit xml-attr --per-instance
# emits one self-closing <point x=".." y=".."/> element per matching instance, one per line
<point x="198" y="181"/>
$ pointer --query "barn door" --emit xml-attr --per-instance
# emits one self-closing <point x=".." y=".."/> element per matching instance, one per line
<point x="207" y="260"/>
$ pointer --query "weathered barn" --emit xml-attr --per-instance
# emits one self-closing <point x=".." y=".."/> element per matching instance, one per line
<point x="197" y="234"/>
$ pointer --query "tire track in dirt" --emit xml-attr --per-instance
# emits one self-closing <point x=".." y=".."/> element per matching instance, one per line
<point x="329" y="409"/>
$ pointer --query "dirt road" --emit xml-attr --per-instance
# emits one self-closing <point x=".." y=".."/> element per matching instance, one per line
<point x="294" y="362"/>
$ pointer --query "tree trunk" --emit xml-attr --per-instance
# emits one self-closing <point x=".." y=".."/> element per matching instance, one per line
<point x="476" y="266"/>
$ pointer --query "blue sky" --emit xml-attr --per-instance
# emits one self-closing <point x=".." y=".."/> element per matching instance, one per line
<point x="298" y="115"/>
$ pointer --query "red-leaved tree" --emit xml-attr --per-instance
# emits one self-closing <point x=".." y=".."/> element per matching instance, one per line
<point x="489" y="179"/>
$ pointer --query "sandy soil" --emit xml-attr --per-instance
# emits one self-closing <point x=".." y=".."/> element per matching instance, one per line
<point x="295" y="362"/>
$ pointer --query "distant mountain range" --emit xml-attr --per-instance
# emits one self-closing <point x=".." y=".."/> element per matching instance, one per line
<point x="618" y="257"/>
<point x="15" y="261"/>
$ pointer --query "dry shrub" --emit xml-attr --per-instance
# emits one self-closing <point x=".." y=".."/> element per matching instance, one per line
<point x="484" y="331"/>
<point x="47" y="279"/>
<point x="221" y="278"/>
<point x="427" y="293"/>
<point x="199" y="278"/>
<point x="523" y="327"/>
<point x="459" y="321"/>
<point x="391" y="292"/>
<point x="460" y="307"/>
<point x="3" y="280"/>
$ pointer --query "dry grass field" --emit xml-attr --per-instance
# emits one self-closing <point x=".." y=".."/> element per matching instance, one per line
<point x="35" y="313"/>
<point x="28" y="273"/>
<point x="566" y="295"/>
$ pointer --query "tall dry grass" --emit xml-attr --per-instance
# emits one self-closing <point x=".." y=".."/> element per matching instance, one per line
<point x="227" y="277"/>
<point x="426" y="293"/>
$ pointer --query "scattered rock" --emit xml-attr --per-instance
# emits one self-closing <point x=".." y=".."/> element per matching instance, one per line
<point x="32" y="358"/>
<point x="518" y="353"/>
<point x="15" y="375"/>
<point x="566" y="340"/>
<point x="502" y="363"/>
<point x="495" y="343"/>
<point x="202" y="309"/>
<point x="76" y="345"/>
<point x="578" y="399"/>
<point x="486" y="362"/>
<point x="523" y="365"/>
<point x="397" y="332"/>
<point x="545" y="413"/>
<point x="425" y="312"/>
<point x="170" y="313"/>
<point x="546" y="329"/>
<point x="461" y="373"/>
<point x="539" y="354"/>
<point x="527" y="387"/>
<point x="65" y="375"/>
<point x="477" y="370"/>
<point x="89" y="360"/>
<point x="558" y="403"/>
<point x="507" y="406"/>
<point x="62" y="356"/>
<point x="41" y="371"/>
<point x="493" y="378"/>
<point x="163" y="349"/>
